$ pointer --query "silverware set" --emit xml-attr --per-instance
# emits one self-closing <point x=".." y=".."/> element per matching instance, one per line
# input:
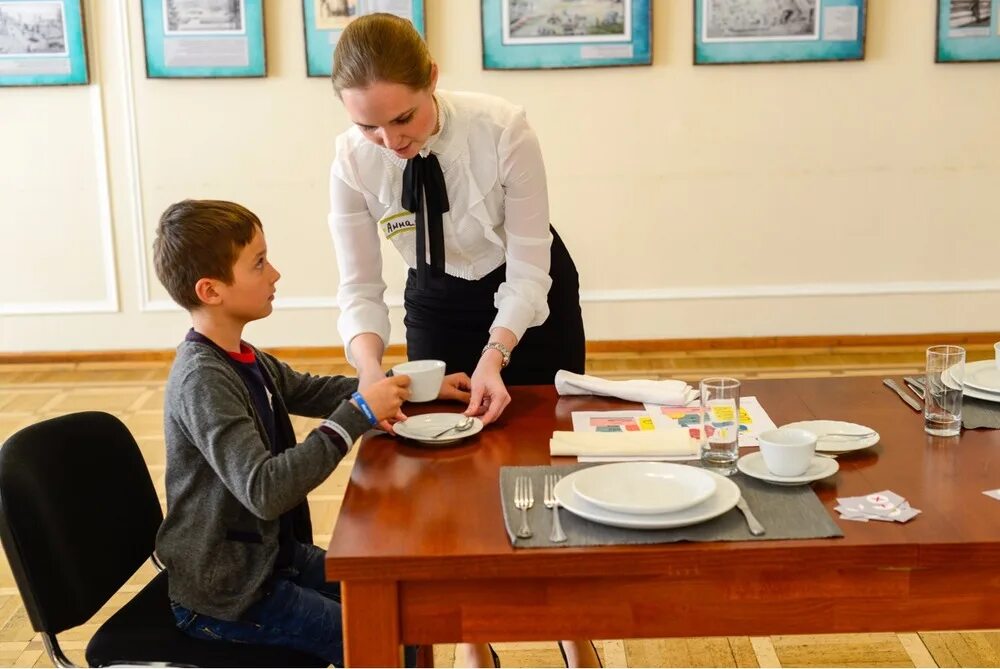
<point x="903" y="395"/>
<point x="524" y="499"/>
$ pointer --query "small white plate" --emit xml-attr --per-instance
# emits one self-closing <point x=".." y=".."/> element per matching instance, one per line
<point x="726" y="495"/>
<point x="982" y="375"/>
<point x="752" y="464"/>
<point x="837" y="444"/>
<point x="947" y="379"/>
<point x="643" y="487"/>
<point x="419" y="428"/>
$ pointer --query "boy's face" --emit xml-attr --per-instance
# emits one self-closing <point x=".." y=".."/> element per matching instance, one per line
<point x="251" y="294"/>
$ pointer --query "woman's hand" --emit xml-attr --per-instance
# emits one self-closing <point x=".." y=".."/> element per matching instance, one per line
<point x="489" y="394"/>
<point x="456" y="387"/>
<point x="385" y="396"/>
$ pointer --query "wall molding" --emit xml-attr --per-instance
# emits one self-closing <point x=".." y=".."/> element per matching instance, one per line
<point x="762" y="291"/>
<point x="134" y="170"/>
<point x="109" y="304"/>
<point x="980" y="341"/>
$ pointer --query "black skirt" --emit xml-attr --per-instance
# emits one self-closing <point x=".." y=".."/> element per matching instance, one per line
<point x="449" y="320"/>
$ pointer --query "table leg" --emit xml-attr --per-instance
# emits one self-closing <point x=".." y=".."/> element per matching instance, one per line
<point x="371" y="624"/>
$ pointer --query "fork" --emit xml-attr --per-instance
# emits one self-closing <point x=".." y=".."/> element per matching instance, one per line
<point x="523" y="500"/>
<point x="557" y="536"/>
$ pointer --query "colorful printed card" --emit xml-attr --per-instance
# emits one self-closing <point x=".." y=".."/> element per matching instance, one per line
<point x="613" y="421"/>
<point x="753" y="418"/>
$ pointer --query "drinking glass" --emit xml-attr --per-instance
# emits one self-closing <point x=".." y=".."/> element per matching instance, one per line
<point x="943" y="397"/>
<point x="720" y="423"/>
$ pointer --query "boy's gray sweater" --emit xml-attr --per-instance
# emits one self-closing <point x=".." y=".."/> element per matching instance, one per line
<point x="221" y="477"/>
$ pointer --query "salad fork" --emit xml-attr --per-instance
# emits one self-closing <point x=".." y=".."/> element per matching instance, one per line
<point x="557" y="536"/>
<point x="523" y="500"/>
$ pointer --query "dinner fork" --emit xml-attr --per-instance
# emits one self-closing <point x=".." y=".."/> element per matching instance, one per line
<point x="523" y="500"/>
<point x="557" y="536"/>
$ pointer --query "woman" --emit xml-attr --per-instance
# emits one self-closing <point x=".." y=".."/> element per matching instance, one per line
<point x="456" y="182"/>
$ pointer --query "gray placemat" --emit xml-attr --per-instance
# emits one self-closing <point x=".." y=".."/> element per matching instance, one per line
<point x="980" y="413"/>
<point x="786" y="512"/>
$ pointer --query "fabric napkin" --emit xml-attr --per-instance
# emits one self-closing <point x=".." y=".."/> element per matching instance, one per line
<point x="668" y="442"/>
<point x="674" y="393"/>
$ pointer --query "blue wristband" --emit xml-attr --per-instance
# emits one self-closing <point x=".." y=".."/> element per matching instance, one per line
<point x="365" y="409"/>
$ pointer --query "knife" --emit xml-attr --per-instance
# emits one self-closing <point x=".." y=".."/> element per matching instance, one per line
<point x="756" y="528"/>
<point x="915" y="384"/>
<point x="903" y="394"/>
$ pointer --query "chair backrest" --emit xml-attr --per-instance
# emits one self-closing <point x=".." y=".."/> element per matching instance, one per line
<point x="78" y="515"/>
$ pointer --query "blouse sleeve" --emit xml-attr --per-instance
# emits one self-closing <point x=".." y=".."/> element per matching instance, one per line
<point x="522" y="299"/>
<point x="359" y="259"/>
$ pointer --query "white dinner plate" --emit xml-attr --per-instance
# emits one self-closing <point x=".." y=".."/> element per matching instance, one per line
<point x="833" y="444"/>
<point x="752" y="464"/>
<point x="968" y="392"/>
<point x="643" y="487"/>
<point x="982" y="375"/>
<point x="726" y="495"/>
<point x="419" y="428"/>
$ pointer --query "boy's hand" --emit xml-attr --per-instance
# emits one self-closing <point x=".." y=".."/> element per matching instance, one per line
<point x="456" y="387"/>
<point x="386" y="396"/>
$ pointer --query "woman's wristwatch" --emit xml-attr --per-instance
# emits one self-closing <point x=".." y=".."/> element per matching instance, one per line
<point x="504" y="351"/>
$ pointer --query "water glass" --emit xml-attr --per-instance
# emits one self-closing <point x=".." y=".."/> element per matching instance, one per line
<point x="720" y="423"/>
<point x="943" y="397"/>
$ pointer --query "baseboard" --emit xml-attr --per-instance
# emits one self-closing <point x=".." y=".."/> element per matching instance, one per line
<point x="603" y="346"/>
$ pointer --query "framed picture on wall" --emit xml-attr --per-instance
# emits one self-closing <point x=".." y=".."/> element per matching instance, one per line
<point x="324" y="20"/>
<point x="190" y="39"/>
<point x="42" y="43"/>
<point x="778" y="31"/>
<point x="549" y="34"/>
<point x="968" y="31"/>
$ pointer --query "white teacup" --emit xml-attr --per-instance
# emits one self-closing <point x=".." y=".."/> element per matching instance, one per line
<point x="425" y="378"/>
<point x="788" y="451"/>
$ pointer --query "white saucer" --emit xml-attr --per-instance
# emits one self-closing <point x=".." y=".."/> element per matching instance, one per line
<point x="726" y="495"/>
<point x="752" y="464"/>
<point x="643" y="487"/>
<point x="419" y="427"/>
<point x="949" y="381"/>
<point x="837" y="444"/>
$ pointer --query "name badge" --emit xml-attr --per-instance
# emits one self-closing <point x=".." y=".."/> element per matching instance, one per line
<point x="399" y="223"/>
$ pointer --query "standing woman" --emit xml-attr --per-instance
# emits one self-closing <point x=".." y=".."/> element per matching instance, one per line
<point x="456" y="182"/>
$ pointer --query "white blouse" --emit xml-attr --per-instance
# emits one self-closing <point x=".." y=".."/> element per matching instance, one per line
<point x="499" y="212"/>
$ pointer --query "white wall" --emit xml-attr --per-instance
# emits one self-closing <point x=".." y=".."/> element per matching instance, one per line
<point x="823" y="198"/>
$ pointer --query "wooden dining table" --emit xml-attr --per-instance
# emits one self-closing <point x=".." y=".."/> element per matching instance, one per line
<point x="423" y="556"/>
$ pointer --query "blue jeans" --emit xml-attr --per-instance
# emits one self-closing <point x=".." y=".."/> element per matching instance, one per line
<point x="300" y="610"/>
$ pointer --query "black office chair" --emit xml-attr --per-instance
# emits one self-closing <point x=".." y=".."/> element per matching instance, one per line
<point x="78" y="517"/>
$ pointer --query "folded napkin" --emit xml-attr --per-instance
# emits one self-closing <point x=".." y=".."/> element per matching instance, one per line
<point x="664" y="442"/>
<point x="674" y="393"/>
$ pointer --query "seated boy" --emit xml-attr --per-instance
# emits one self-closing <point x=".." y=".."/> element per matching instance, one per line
<point x="236" y="539"/>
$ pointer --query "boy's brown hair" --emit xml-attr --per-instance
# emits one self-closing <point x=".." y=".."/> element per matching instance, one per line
<point x="199" y="239"/>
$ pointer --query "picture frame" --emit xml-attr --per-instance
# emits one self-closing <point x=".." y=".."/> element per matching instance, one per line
<point x="42" y="43"/>
<point x="968" y="32"/>
<point x="203" y="39"/>
<point x="545" y="34"/>
<point x="761" y="31"/>
<point x="324" y="20"/>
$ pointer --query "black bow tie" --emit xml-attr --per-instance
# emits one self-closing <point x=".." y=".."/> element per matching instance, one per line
<point x="423" y="184"/>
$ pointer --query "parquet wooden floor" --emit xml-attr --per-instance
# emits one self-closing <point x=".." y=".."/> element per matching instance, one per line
<point x="133" y="391"/>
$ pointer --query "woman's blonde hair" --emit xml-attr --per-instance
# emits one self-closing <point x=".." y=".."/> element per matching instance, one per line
<point x="381" y="47"/>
